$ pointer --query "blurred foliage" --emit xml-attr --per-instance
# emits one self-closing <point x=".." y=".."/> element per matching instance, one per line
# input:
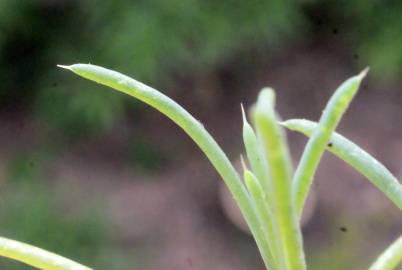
<point x="30" y="214"/>
<point x="150" y="39"/>
<point x="40" y="211"/>
<point x="378" y="25"/>
<point x="156" y="40"/>
<point x="33" y="213"/>
<point x="371" y="31"/>
<point x="146" y="156"/>
<point x="23" y="167"/>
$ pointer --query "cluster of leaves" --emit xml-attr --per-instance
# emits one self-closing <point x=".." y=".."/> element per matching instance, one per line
<point x="272" y="197"/>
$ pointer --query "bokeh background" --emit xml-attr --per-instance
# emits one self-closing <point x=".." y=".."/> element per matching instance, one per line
<point x="96" y="176"/>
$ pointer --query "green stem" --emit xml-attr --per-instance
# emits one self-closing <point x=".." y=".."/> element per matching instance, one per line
<point x="315" y="147"/>
<point x="356" y="157"/>
<point x="188" y="123"/>
<point x="36" y="257"/>
<point x="390" y="258"/>
<point x="273" y="140"/>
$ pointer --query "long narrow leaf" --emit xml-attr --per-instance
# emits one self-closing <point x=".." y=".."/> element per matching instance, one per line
<point x="273" y="140"/>
<point x="254" y="154"/>
<point x="183" y="119"/>
<point x="359" y="159"/>
<point x="315" y="147"/>
<point x="255" y="157"/>
<point x="36" y="257"/>
<point x="390" y="258"/>
<point x="258" y="196"/>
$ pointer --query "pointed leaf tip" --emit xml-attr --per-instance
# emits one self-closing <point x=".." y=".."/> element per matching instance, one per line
<point x="283" y="123"/>
<point x="266" y="97"/>
<point x="64" y="66"/>
<point x="243" y="114"/>
<point x="243" y="163"/>
<point x="363" y="73"/>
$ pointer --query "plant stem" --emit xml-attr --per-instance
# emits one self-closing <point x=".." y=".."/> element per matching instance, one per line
<point x="36" y="257"/>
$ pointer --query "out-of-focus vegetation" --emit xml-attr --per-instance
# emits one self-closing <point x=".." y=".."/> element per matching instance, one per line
<point x="151" y="39"/>
<point x="33" y="212"/>
<point x="32" y="215"/>
<point x="165" y="41"/>
<point x="173" y="45"/>
<point x="369" y="30"/>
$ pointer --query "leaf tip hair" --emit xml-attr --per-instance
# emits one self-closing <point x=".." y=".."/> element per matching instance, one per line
<point x="64" y="66"/>
<point x="363" y="73"/>
<point x="243" y="163"/>
<point x="243" y="113"/>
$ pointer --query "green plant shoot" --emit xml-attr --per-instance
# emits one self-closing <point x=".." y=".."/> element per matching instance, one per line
<point x="268" y="199"/>
<point x="193" y="128"/>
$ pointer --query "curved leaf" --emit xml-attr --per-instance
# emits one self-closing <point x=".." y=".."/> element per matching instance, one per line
<point x="36" y="257"/>
<point x="356" y="157"/>
<point x="390" y="258"/>
<point x="189" y="124"/>
<point x="315" y="147"/>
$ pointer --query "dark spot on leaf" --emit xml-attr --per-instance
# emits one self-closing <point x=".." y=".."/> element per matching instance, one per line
<point x="343" y="229"/>
<point x="330" y="144"/>
<point x="356" y="56"/>
<point x="335" y="31"/>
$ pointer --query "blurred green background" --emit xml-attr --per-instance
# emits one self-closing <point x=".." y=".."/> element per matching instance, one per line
<point x="100" y="178"/>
